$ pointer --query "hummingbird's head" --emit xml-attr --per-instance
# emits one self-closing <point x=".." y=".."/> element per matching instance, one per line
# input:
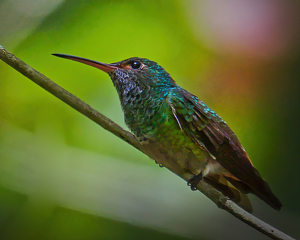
<point x="131" y="73"/>
<point x="142" y="86"/>
<point x="142" y="72"/>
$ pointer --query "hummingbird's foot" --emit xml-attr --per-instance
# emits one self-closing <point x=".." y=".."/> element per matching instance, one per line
<point x="194" y="181"/>
<point x="159" y="164"/>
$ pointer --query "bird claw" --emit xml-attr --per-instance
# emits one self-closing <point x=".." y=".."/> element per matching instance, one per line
<point x="192" y="183"/>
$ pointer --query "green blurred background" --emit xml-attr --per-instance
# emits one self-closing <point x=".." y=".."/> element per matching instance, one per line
<point x="64" y="177"/>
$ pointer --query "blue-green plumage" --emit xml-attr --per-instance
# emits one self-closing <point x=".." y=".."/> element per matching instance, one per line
<point x="181" y="133"/>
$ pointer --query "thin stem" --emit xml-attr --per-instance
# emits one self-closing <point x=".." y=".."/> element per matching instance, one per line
<point x="217" y="197"/>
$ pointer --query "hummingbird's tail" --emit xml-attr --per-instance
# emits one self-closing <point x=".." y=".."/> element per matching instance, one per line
<point x="224" y="186"/>
<point x="233" y="188"/>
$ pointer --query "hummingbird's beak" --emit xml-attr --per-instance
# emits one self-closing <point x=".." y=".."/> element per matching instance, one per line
<point x="102" y="66"/>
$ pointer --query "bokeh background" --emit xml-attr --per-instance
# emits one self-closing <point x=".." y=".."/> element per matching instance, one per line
<point x="64" y="177"/>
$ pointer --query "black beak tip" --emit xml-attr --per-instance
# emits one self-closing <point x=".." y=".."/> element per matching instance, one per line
<point x="59" y="55"/>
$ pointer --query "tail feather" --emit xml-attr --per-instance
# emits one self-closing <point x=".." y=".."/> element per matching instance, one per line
<point x="233" y="188"/>
<point x="231" y="191"/>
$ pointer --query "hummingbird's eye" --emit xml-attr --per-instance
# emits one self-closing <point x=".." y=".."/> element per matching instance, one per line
<point x="135" y="65"/>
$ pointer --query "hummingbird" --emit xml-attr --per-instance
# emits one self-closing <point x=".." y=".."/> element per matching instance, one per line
<point x="181" y="133"/>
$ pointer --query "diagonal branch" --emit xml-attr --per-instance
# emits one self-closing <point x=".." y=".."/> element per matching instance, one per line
<point x="217" y="197"/>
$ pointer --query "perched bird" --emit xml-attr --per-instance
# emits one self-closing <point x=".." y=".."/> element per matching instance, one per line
<point x="181" y="133"/>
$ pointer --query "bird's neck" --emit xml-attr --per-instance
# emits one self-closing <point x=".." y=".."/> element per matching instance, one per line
<point x="140" y="105"/>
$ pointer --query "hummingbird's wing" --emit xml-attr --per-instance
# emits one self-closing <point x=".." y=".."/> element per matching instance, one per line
<point x="211" y="133"/>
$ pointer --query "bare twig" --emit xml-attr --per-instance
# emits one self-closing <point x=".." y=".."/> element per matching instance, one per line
<point x="216" y="196"/>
